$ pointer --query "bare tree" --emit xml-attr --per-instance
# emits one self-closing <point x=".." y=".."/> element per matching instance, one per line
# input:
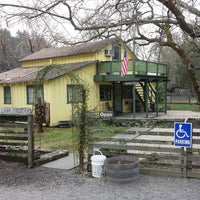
<point x="7" y="56"/>
<point x="30" y="43"/>
<point x="12" y="49"/>
<point x="164" y="22"/>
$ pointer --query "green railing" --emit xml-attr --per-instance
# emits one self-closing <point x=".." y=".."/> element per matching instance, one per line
<point x="135" y="67"/>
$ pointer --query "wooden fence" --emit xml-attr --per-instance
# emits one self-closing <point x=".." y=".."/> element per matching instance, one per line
<point x="16" y="139"/>
<point x="182" y="98"/>
<point x="154" y="147"/>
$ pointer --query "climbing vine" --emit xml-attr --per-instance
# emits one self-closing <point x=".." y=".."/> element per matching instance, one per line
<point x="79" y="109"/>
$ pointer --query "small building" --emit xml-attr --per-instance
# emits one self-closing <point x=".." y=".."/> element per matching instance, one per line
<point x="57" y="75"/>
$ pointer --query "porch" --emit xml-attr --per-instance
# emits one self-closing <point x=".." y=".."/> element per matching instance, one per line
<point x="138" y="90"/>
<point x="137" y="70"/>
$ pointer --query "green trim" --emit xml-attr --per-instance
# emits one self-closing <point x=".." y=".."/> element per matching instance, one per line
<point x="128" y="78"/>
<point x="75" y="91"/>
<point x="138" y="68"/>
<point x="105" y="91"/>
<point x="7" y="95"/>
<point x="35" y="93"/>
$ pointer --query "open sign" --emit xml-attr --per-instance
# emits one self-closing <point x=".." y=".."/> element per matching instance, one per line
<point x="106" y="114"/>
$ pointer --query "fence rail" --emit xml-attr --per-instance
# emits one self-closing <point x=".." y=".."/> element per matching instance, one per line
<point x="182" y="98"/>
<point x="16" y="140"/>
<point x="155" y="149"/>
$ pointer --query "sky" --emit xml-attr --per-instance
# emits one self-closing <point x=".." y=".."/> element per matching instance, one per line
<point x="60" y="29"/>
<point x="40" y="26"/>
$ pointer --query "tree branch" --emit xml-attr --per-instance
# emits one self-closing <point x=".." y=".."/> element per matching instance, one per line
<point x="104" y="25"/>
<point x="185" y="26"/>
<point x="41" y="12"/>
<point x="189" y="8"/>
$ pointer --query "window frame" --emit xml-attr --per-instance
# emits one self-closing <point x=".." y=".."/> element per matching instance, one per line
<point x="116" y="52"/>
<point x="103" y="89"/>
<point x="38" y="91"/>
<point x="74" y="93"/>
<point x="7" y="94"/>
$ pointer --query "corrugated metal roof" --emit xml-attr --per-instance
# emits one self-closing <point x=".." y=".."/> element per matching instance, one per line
<point x="90" y="47"/>
<point x="30" y="74"/>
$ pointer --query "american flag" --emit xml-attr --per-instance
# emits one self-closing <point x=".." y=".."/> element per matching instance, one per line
<point x="124" y="64"/>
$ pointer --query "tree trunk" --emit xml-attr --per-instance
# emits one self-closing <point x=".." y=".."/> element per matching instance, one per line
<point x="186" y="61"/>
<point x="196" y="83"/>
<point x="191" y="71"/>
<point x="82" y="137"/>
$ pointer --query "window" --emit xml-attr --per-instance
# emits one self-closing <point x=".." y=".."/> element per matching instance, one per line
<point x="74" y="93"/>
<point x="116" y="52"/>
<point x="34" y="92"/>
<point x="7" y="95"/>
<point x="105" y="92"/>
<point x="127" y="92"/>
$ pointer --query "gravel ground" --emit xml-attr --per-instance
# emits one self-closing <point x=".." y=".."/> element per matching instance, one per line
<point x="18" y="182"/>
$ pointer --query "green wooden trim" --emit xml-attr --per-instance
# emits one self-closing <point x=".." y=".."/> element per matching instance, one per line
<point x="35" y="89"/>
<point x="157" y="98"/>
<point x="146" y="93"/>
<point x="134" y="102"/>
<point x="143" y="69"/>
<point x="7" y="92"/>
<point x="76" y="91"/>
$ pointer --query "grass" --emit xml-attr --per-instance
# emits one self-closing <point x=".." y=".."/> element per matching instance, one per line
<point x="55" y="138"/>
<point x="192" y="107"/>
<point x="65" y="138"/>
<point x="107" y="135"/>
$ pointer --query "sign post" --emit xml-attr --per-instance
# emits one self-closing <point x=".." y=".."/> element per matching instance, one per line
<point x="183" y="134"/>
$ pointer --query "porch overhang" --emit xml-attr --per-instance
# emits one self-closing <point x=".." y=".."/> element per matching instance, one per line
<point x="129" y="78"/>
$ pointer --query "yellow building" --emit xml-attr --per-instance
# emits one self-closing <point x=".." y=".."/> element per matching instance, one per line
<point x="56" y="75"/>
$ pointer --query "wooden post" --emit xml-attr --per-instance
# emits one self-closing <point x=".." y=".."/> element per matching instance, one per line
<point x="165" y="85"/>
<point x="30" y="142"/>
<point x="182" y="161"/>
<point x="133" y="92"/>
<point x="189" y="99"/>
<point x="146" y="97"/>
<point x="134" y="101"/>
<point x="90" y="150"/>
<point x="157" y="98"/>
<point x="188" y="161"/>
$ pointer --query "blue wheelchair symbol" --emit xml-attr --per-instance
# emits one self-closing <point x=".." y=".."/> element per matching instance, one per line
<point x="182" y="134"/>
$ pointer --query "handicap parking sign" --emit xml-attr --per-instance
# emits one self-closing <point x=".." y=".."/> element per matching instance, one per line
<point x="182" y="134"/>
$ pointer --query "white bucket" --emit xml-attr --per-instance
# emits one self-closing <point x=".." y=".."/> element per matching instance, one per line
<point x="97" y="164"/>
